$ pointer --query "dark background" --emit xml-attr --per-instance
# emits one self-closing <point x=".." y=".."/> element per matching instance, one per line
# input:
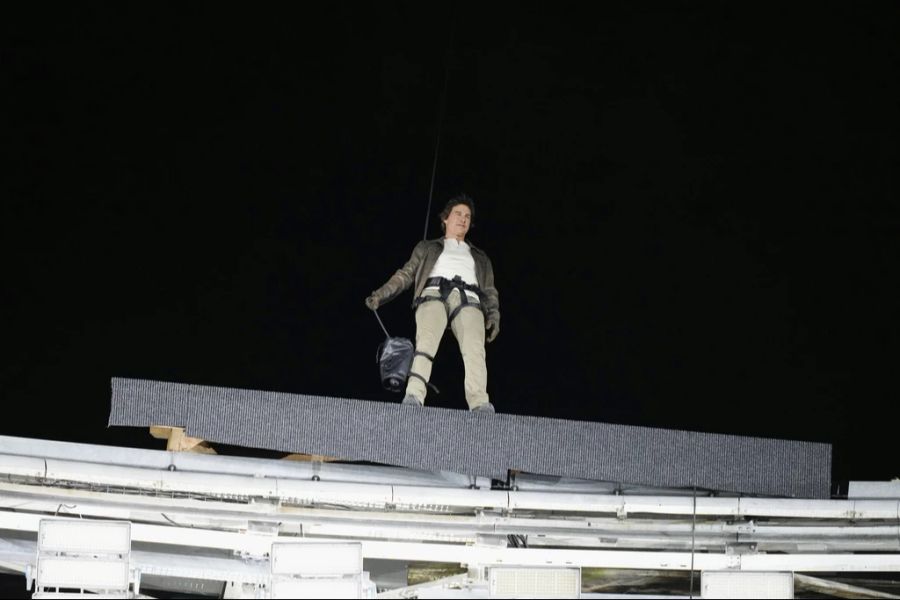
<point x="691" y="211"/>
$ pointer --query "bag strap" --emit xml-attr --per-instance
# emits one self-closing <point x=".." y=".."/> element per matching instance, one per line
<point x="380" y="323"/>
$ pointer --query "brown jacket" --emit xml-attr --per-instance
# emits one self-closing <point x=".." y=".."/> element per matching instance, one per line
<point x="420" y="264"/>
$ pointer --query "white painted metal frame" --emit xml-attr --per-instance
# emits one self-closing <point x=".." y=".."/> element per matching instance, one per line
<point x="430" y="498"/>
<point x="586" y="531"/>
<point x="188" y="521"/>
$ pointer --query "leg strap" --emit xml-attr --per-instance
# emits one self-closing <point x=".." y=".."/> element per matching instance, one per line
<point x="463" y="302"/>
<point x="428" y="383"/>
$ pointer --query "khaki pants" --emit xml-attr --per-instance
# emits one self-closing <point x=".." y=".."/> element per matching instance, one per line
<point x="468" y="327"/>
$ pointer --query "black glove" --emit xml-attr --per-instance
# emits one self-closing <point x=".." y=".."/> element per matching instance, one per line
<point x="493" y="328"/>
<point x="372" y="302"/>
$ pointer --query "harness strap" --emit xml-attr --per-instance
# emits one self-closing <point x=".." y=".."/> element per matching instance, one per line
<point x="463" y="302"/>
<point x="428" y="356"/>
<point x="428" y="383"/>
<point x="446" y="286"/>
<point x="417" y="376"/>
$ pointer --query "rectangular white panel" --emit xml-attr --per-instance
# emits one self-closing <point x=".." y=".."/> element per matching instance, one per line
<point x="343" y="587"/>
<point x="84" y="536"/>
<point x="737" y="584"/>
<point x="874" y="489"/>
<point x="317" y="559"/>
<point x="77" y="596"/>
<point x="82" y="573"/>
<point x="525" y="582"/>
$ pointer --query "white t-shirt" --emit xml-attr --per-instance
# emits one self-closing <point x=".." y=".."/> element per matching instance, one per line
<point x="456" y="259"/>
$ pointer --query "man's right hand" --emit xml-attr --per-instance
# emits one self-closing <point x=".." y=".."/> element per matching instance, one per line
<point x="372" y="303"/>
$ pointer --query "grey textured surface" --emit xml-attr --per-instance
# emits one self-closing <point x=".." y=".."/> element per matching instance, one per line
<point x="439" y="439"/>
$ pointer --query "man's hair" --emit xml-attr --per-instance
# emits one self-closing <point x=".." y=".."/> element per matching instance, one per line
<point x="454" y="201"/>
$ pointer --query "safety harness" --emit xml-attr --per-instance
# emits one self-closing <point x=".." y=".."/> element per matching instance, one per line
<point x="445" y="286"/>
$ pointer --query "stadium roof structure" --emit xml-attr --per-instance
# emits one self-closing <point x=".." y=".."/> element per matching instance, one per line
<point x="397" y="518"/>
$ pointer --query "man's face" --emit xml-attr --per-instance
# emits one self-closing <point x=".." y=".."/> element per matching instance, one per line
<point x="457" y="222"/>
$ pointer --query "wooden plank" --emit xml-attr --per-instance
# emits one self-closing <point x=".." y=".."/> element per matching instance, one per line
<point x="177" y="441"/>
<point x="160" y="432"/>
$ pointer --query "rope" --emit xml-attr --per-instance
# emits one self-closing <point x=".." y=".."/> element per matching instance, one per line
<point x="437" y="144"/>
<point x="441" y="111"/>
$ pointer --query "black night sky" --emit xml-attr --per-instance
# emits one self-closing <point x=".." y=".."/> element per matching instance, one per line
<point x="692" y="212"/>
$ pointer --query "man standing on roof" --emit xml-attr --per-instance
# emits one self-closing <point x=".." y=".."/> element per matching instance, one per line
<point x="454" y="283"/>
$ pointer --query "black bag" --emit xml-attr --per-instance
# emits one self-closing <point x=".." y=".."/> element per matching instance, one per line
<point x="395" y="356"/>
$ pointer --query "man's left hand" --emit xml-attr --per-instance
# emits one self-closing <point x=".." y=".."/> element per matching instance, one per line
<point x="493" y="328"/>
